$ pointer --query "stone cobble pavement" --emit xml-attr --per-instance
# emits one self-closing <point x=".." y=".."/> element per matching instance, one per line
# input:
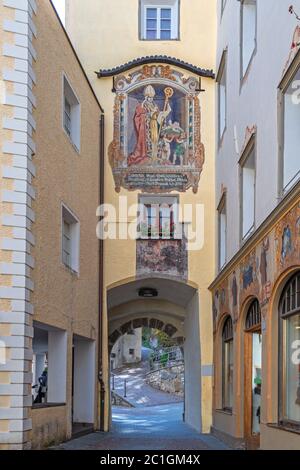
<point x="149" y="428"/>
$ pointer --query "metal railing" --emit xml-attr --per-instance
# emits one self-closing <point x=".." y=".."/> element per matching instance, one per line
<point x="114" y="379"/>
<point x="166" y="357"/>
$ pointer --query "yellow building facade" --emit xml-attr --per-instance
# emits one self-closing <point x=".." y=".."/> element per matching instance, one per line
<point x="159" y="103"/>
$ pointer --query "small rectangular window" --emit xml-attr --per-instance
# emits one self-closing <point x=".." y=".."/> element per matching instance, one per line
<point x="70" y="240"/>
<point x="248" y="190"/>
<point x="158" y="218"/>
<point x="159" y="19"/>
<point x="248" y="33"/>
<point x="71" y="114"/>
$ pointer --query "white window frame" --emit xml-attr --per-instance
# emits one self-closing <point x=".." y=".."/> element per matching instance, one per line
<point x="290" y="76"/>
<point x="68" y="217"/>
<point x="159" y="202"/>
<point x="249" y="150"/>
<point x="68" y="95"/>
<point x="159" y="5"/>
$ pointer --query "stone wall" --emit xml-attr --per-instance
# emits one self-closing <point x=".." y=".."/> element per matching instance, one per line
<point x="169" y="380"/>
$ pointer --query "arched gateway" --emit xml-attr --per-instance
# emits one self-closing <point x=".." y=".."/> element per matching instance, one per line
<point x="159" y="248"/>
<point x="171" y="306"/>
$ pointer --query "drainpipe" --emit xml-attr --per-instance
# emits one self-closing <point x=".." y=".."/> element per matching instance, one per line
<point x="101" y="282"/>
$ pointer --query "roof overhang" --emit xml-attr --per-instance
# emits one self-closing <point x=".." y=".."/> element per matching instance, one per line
<point x="156" y="59"/>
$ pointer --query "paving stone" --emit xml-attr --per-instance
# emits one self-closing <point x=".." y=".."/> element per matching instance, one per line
<point x="151" y="428"/>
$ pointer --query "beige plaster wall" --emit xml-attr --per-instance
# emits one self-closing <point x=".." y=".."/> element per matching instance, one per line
<point x="49" y="427"/>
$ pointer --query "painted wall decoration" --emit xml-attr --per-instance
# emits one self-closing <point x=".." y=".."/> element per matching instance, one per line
<point x="168" y="257"/>
<point x="157" y="141"/>
<point x="256" y="274"/>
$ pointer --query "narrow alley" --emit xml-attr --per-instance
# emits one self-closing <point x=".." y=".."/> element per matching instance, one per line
<point x="147" y="428"/>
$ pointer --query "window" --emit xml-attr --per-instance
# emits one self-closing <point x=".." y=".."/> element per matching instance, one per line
<point x="290" y="171"/>
<point x="253" y="320"/>
<point x="227" y="376"/>
<point x="248" y="33"/>
<point x="222" y="223"/>
<point x="67" y="117"/>
<point x="71" y="114"/>
<point x="222" y="100"/>
<point x="70" y="240"/>
<point x="158" y="217"/>
<point x="160" y="221"/>
<point x="159" y="19"/>
<point x="248" y="190"/>
<point x="131" y="352"/>
<point x="289" y="310"/>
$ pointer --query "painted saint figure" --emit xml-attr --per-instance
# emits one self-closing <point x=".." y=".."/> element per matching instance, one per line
<point x="287" y="246"/>
<point x="148" y="121"/>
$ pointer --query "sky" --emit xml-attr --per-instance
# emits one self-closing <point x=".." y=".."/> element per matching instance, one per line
<point x="60" y="7"/>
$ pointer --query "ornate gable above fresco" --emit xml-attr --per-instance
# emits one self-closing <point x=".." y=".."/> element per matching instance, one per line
<point x="157" y="140"/>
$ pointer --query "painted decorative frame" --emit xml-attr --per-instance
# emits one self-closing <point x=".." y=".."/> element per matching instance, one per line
<point x="157" y="144"/>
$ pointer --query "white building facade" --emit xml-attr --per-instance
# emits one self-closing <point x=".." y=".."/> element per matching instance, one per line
<point x="256" y="392"/>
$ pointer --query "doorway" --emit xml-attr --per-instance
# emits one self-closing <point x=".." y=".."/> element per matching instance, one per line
<point x="173" y="308"/>
<point x="83" y="386"/>
<point x="253" y="376"/>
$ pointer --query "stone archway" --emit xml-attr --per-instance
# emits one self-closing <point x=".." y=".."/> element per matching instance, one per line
<point x="174" y="310"/>
<point x="145" y="322"/>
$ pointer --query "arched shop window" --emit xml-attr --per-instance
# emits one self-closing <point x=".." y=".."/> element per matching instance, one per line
<point x="227" y="372"/>
<point x="253" y="320"/>
<point x="289" y="310"/>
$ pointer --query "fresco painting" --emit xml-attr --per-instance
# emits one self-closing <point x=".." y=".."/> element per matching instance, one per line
<point x="256" y="274"/>
<point x="157" y="141"/>
<point x="168" y="257"/>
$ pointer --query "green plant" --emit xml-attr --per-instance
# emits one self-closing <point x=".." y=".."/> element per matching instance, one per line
<point x="164" y="360"/>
